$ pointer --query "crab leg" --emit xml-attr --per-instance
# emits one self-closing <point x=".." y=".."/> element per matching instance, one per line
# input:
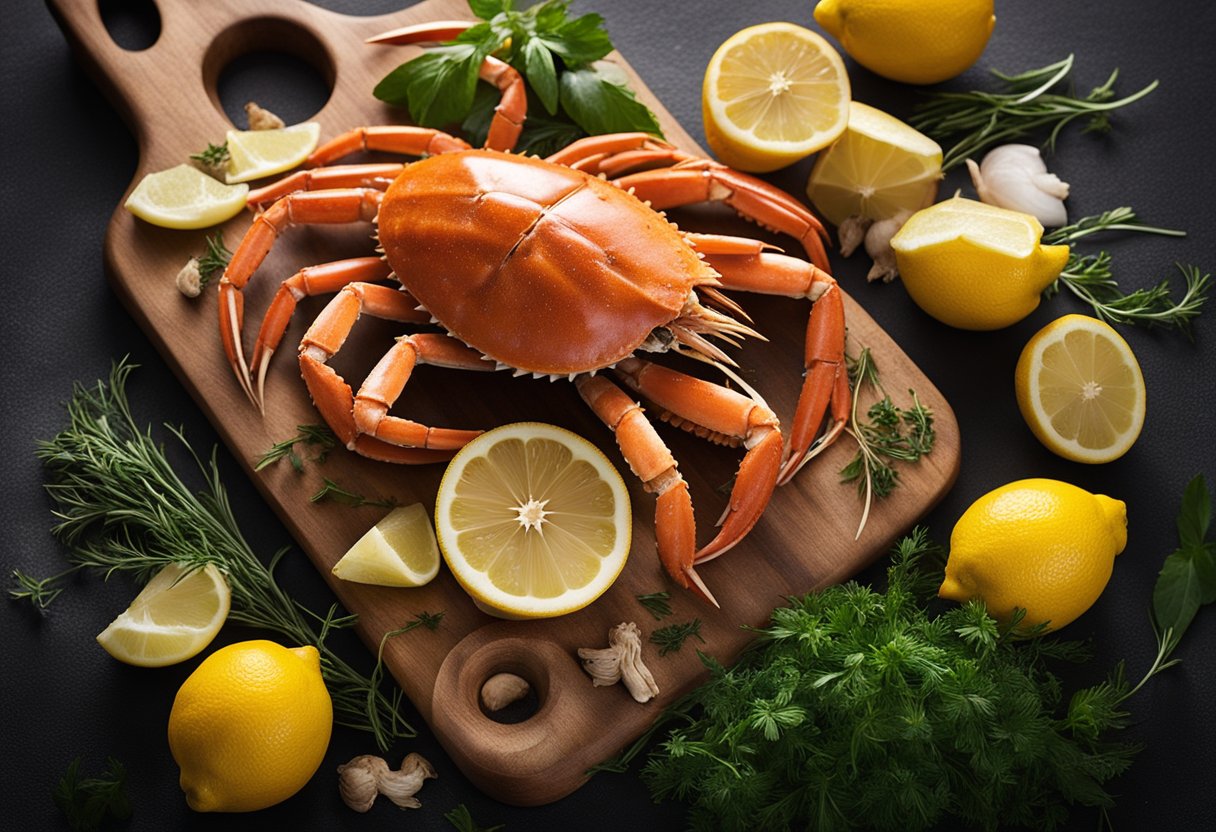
<point x="397" y="138"/>
<point x="703" y="180"/>
<point x="320" y="207"/>
<point x="725" y="417"/>
<point x="613" y="154"/>
<point x="825" y="388"/>
<point x="378" y="176"/>
<point x="652" y="463"/>
<point x="511" y="111"/>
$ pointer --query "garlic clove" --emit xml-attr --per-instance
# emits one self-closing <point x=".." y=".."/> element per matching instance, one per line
<point x="621" y="660"/>
<point x="852" y="232"/>
<point x="501" y="689"/>
<point x="1014" y="176"/>
<point x="189" y="281"/>
<point x="878" y="246"/>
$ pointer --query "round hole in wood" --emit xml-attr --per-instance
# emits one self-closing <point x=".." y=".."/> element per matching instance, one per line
<point x="529" y="660"/>
<point x="278" y="63"/>
<point x="134" y="25"/>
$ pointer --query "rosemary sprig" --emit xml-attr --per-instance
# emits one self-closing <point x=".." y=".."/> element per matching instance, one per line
<point x="977" y="120"/>
<point x="1090" y="278"/>
<point x="656" y="603"/>
<point x="122" y="508"/>
<point x="86" y="803"/>
<point x="330" y="490"/>
<point x="319" y="436"/>
<point x="461" y="818"/>
<point x="671" y="638"/>
<point x="215" y="156"/>
<point x="39" y="592"/>
<point x="214" y="259"/>
<point x="892" y="434"/>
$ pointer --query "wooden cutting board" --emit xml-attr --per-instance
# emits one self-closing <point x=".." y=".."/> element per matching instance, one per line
<point x="805" y="540"/>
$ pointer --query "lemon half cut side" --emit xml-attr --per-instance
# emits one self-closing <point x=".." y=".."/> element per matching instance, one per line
<point x="533" y="521"/>
<point x="1080" y="390"/>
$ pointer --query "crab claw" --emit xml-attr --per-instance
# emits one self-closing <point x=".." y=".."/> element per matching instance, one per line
<point x="676" y="533"/>
<point x="754" y="484"/>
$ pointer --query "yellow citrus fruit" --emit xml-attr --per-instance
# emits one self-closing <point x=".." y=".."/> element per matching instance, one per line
<point x="1080" y="389"/>
<point x="250" y="726"/>
<point x="975" y="266"/>
<point x="253" y="154"/>
<point x="400" y="550"/>
<point x="174" y="617"/>
<point x="185" y="197"/>
<point x="773" y="94"/>
<point x="878" y="168"/>
<point x="533" y="521"/>
<point x="914" y="41"/>
<point x="1040" y="545"/>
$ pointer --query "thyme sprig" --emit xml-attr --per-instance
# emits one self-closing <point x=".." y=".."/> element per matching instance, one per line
<point x="671" y="638"/>
<point x="214" y="260"/>
<point x="657" y="604"/>
<point x="317" y="436"/>
<point x="331" y="490"/>
<point x="122" y="508"/>
<point x="1090" y="278"/>
<point x="215" y="156"/>
<point x="977" y="120"/>
<point x="891" y="434"/>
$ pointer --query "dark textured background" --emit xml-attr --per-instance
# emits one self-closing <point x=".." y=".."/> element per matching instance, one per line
<point x="69" y="160"/>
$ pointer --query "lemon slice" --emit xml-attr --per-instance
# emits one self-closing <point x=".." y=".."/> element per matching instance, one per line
<point x="975" y="266"/>
<point x="533" y="521"/>
<point x="1080" y="390"/>
<point x="400" y="550"/>
<point x="185" y="197"/>
<point x="173" y="618"/>
<point x="878" y="168"/>
<point x="773" y="94"/>
<point x="253" y="154"/>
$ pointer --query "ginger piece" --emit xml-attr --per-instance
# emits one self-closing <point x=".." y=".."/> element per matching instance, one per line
<point x="501" y="689"/>
<point x="189" y="281"/>
<point x="851" y="233"/>
<point x="260" y="119"/>
<point x="621" y="660"/>
<point x="366" y="776"/>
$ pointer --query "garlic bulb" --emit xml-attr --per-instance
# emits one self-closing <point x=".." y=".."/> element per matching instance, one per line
<point x="1014" y="176"/>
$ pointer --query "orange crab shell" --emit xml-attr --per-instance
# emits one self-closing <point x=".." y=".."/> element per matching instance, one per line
<point x="538" y="266"/>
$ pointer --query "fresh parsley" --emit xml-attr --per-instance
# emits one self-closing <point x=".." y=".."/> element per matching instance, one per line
<point x="570" y="94"/>
<point x="671" y="638"/>
<point x="87" y="802"/>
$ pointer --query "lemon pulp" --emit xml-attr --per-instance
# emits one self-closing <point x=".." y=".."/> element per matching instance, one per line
<point x="773" y="94"/>
<point x="532" y="520"/>
<point x="185" y="197"/>
<point x="253" y="154"/>
<point x="400" y="550"/>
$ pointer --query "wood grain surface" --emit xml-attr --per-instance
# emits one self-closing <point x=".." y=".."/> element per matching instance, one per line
<point x="168" y="95"/>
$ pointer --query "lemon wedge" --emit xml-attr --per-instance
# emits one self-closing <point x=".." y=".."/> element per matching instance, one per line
<point x="1080" y="390"/>
<point x="173" y="618"/>
<point x="253" y="154"/>
<point x="878" y="168"/>
<point x="975" y="266"/>
<point x="773" y="94"/>
<point x="533" y="521"/>
<point x="400" y="550"/>
<point x="185" y="197"/>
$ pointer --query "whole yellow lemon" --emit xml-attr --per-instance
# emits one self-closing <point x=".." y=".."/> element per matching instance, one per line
<point x="250" y="726"/>
<point x="1040" y="545"/>
<point x="914" y="41"/>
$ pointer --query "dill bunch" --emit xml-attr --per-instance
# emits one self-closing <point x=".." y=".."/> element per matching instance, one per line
<point x="862" y="709"/>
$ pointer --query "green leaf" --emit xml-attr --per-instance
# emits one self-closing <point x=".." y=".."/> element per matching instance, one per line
<point x="1177" y="594"/>
<point x="579" y="41"/>
<point x="542" y="75"/>
<point x="599" y="106"/>
<point x="549" y="15"/>
<point x="1196" y="513"/>
<point x="437" y="87"/>
<point x="486" y="9"/>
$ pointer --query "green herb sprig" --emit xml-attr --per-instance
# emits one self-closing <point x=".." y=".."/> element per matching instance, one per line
<point x="319" y="437"/>
<point x="1089" y="276"/>
<point x="671" y="638"/>
<point x="331" y="490"/>
<point x="971" y="122"/>
<point x="461" y="818"/>
<point x="214" y="260"/>
<point x="87" y="802"/>
<point x="215" y="156"/>
<point x="892" y="434"/>
<point x="570" y="94"/>
<point x="657" y="604"/>
<point x="122" y="508"/>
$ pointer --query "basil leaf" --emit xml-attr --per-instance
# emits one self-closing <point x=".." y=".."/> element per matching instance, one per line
<point x="599" y="106"/>
<point x="486" y="9"/>
<point x="479" y="34"/>
<point x="1177" y="594"/>
<point x="1204" y="562"/>
<point x="436" y="87"/>
<point x="542" y="75"/>
<point x="1195" y="514"/>
<point x="579" y="41"/>
<point x="549" y="15"/>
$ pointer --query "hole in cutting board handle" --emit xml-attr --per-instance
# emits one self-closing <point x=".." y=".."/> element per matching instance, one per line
<point x="133" y="25"/>
<point x="273" y="61"/>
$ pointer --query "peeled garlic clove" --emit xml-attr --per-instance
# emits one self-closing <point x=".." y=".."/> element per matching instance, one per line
<point x="1014" y="176"/>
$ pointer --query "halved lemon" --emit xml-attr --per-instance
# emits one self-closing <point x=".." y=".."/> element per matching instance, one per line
<point x="1080" y="389"/>
<point x="173" y="618"/>
<point x="773" y="94"/>
<point x="533" y="521"/>
<point x="878" y="168"/>
<point x="400" y="550"/>
<point x="185" y="197"/>
<point x="253" y="154"/>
